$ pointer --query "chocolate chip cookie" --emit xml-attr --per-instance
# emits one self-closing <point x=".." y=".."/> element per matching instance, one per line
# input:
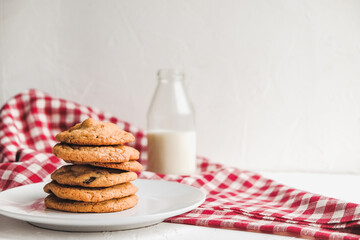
<point x="93" y="132"/>
<point x="117" y="153"/>
<point x="112" y="205"/>
<point x="131" y="166"/>
<point x="134" y="166"/>
<point x="90" y="176"/>
<point x="90" y="194"/>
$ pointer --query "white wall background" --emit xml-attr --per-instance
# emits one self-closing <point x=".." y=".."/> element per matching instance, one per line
<point x="275" y="84"/>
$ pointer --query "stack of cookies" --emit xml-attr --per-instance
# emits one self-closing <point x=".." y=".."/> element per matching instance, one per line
<point x="100" y="170"/>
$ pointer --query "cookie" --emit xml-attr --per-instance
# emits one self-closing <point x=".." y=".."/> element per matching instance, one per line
<point x="131" y="166"/>
<point x="113" y="205"/>
<point x="92" y="132"/>
<point x="134" y="166"/>
<point x="117" y="153"/>
<point x="89" y="176"/>
<point x="90" y="194"/>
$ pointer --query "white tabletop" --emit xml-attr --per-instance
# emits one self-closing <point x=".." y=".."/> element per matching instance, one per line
<point x="333" y="185"/>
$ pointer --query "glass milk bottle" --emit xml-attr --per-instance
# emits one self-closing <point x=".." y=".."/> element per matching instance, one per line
<point x="171" y="127"/>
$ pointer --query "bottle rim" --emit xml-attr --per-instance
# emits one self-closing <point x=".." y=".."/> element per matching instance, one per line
<point x="168" y="73"/>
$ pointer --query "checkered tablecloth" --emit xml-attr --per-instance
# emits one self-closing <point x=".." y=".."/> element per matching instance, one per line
<point x="236" y="199"/>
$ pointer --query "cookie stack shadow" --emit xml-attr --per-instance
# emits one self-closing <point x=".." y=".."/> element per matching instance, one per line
<point x="98" y="178"/>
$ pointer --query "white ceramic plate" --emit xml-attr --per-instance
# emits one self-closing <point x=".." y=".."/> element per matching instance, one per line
<point x="158" y="200"/>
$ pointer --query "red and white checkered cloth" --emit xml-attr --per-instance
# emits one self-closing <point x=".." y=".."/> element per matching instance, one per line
<point x="236" y="199"/>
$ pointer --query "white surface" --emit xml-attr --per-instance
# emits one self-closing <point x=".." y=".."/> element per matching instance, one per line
<point x="158" y="200"/>
<point x="275" y="83"/>
<point x="15" y="230"/>
<point x="340" y="186"/>
<point x="343" y="186"/>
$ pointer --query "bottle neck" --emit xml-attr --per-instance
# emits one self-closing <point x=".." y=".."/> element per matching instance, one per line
<point x="170" y="107"/>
